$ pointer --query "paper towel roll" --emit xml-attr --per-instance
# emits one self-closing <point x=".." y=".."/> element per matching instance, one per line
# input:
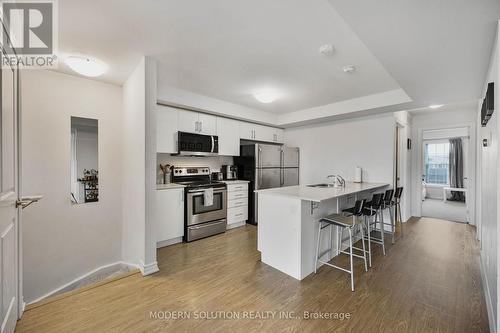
<point x="358" y="175"/>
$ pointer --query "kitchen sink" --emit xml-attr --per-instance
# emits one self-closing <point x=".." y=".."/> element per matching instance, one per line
<point x="320" y="185"/>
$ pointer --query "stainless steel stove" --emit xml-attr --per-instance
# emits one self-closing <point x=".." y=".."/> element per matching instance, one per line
<point x="201" y="218"/>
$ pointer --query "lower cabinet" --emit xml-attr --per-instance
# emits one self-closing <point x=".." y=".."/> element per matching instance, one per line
<point x="237" y="204"/>
<point x="169" y="216"/>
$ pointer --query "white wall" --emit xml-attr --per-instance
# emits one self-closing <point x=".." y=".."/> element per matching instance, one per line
<point x="215" y="163"/>
<point x="338" y="147"/>
<point x="459" y="116"/>
<point x="133" y="174"/>
<point x="139" y="167"/>
<point x="62" y="241"/>
<point x="488" y="196"/>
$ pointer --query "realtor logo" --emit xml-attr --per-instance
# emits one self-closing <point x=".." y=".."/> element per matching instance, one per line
<point x="31" y="33"/>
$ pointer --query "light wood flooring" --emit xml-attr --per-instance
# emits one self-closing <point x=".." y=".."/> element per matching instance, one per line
<point x="429" y="281"/>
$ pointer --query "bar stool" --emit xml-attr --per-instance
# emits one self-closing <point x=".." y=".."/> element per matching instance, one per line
<point x="373" y="209"/>
<point x="342" y="222"/>
<point x="387" y="204"/>
<point x="396" y="205"/>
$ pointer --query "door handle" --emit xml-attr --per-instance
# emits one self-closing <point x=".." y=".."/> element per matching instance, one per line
<point x="24" y="202"/>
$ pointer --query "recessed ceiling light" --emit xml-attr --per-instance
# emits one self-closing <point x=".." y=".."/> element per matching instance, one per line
<point x="326" y="49"/>
<point x="266" y="96"/>
<point x="348" y="69"/>
<point x="86" y="66"/>
<point x="435" y="106"/>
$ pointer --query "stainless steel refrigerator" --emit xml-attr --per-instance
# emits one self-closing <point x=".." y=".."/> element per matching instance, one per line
<point x="266" y="166"/>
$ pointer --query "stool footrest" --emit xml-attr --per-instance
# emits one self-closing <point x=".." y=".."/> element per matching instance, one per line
<point x="354" y="255"/>
<point x="335" y="266"/>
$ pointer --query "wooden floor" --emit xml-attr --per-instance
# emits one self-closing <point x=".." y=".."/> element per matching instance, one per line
<point x="429" y="281"/>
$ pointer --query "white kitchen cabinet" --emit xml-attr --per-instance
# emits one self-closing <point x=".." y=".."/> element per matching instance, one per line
<point x="169" y="216"/>
<point x="196" y="122"/>
<point x="237" y="204"/>
<point x="246" y="130"/>
<point x="188" y="121"/>
<point x="166" y="129"/>
<point x="278" y="135"/>
<point x="229" y="136"/>
<point x="208" y="124"/>
<point x="262" y="133"/>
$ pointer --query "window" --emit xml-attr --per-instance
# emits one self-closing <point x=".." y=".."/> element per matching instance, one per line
<point x="436" y="159"/>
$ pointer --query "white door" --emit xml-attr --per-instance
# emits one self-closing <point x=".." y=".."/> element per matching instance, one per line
<point x="207" y="124"/>
<point x="9" y="213"/>
<point x="166" y="131"/>
<point x="169" y="215"/>
<point x="229" y="137"/>
<point x="247" y="130"/>
<point x="188" y="121"/>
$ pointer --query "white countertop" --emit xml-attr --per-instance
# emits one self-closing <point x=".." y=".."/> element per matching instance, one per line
<point x="318" y="194"/>
<point x="230" y="182"/>
<point x="168" y="186"/>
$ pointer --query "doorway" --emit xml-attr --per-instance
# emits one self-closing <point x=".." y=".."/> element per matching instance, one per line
<point x="444" y="170"/>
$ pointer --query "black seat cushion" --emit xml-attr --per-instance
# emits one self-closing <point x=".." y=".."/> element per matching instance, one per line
<point x="372" y="205"/>
<point x="348" y="210"/>
<point x="369" y="212"/>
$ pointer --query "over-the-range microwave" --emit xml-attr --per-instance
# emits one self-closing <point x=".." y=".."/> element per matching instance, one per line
<point x="191" y="144"/>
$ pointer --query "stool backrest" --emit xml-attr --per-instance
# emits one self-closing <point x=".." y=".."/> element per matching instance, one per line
<point x="377" y="199"/>
<point x="359" y="206"/>
<point x="388" y="195"/>
<point x="398" y="193"/>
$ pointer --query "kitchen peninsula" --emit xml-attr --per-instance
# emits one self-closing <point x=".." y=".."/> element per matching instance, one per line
<point x="288" y="222"/>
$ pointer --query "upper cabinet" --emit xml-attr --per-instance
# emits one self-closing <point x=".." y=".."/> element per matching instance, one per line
<point x="208" y="124"/>
<point x="171" y="120"/>
<point x="255" y="132"/>
<point x="246" y="130"/>
<point x="196" y="122"/>
<point x="166" y="129"/>
<point x="229" y="136"/>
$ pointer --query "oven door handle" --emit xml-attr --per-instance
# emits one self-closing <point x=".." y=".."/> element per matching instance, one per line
<point x="199" y="192"/>
<point x="213" y="144"/>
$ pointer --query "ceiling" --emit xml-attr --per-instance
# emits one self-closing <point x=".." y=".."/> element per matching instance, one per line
<point x="228" y="49"/>
<point x="437" y="51"/>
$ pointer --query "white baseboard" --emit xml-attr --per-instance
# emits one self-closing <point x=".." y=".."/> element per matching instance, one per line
<point x="147" y="269"/>
<point x="489" y="305"/>
<point x="236" y="225"/>
<point x="90" y="276"/>
<point x="168" y="242"/>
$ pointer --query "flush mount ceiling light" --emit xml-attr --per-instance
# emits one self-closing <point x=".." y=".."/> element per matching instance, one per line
<point x="86" y="66"/>
<point x="326" y="49"/>
<point x="266" y="96"/>
<point x="349" y="69"/>
<point x="435" y="106"/>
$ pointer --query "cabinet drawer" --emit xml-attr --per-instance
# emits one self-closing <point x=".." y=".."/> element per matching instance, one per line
<point x="238" y="214"/>
<point x="237" y="202"/>
<point x="237" y="188"/>
<point x="237" y="195"/>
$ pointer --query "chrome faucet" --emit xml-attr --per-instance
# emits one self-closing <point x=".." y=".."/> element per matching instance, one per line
<point x="338" y="180"/>
<point x="341" y="180"/>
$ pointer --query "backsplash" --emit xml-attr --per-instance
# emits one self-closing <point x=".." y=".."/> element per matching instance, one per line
<point x="213" y="162"/>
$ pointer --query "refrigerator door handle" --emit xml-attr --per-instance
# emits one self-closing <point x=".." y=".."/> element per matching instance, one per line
<point x="282" y="162"/>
